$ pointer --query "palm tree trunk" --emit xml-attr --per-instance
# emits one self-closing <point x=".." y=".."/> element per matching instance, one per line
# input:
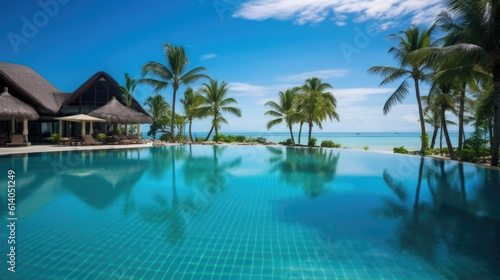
<point x="208" y="136"/>
<point x="461" y="117"/>
<point x="172" y="128"/>
<point x="291" y="134"/>
<point x="496" y="116"/>
<point x="190" y="136"/>
<point x="446" y="135"/>
<point x="490" y="129"/>
<point x="310" y="131"/>
<point x="420" y="113"/>
<point x="434" y="135"/>
<point x="300" y="130"/>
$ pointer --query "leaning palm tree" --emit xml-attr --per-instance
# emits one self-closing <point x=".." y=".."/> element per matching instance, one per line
<point x="410" y="40"/>
<point x="191" y="102"/>
<point x="174" y="74"/>
<point x="315" y="105"/>
<point x="215" y="102"/>
<point x="285" y="111"/>
<point x="474" y="29"/>
<point x="434" y="120"/>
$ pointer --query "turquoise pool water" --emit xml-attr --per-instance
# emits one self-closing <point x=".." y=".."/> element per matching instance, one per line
<point x="229" y="212"/>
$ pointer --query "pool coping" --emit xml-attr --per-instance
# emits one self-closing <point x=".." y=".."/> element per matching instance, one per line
<point x="5" y="151"/>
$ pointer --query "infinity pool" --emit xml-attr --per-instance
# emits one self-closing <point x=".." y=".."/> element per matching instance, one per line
<point x="232" y="212"/>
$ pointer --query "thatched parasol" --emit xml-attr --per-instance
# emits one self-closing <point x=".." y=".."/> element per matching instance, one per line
<point x="14" y="109"/>
<point x="116" y="113"/>
<point x="81" y="118"/>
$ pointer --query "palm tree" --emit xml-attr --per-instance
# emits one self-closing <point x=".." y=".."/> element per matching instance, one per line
<point x="484" y="112"/>
<point x="174" y="74"/>
<point x="474" y="29"/>
<point x="442" y="97"/>
<point x="127" y="92"/>
<point x="410" y="40"/>
<point x="191" y="102"/>
<point x="159" y="109"/>
<point x="433" y="117"/>
<point x="434" y="120"/>
<point x="158" y="106"/>
<point x="315" y="105"/>
<point x="285" y="110"/>
<point x="215" y="102"/>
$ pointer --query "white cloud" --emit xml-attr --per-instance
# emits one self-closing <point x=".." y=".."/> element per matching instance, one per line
<point x="346" y="96"/>
<point x="314" y="11"/>
<point x="208" y="56"/>
<point x="244" y="89"/>
<point x="322" y="74"/>
<point x="411" y="118"/>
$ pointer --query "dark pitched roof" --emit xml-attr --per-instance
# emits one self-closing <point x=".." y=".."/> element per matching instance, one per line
<point x="96" y="77"/>
<point x="33" y="86"/>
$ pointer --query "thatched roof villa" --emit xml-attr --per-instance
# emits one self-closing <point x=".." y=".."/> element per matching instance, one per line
<point x="49" y="102"/>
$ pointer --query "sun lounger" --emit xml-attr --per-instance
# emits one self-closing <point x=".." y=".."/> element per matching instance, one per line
<point x="89" y="140"/>
<point x="17" y="140"/>
<point x="122" y="140"/>
<point x="136" y="139"/>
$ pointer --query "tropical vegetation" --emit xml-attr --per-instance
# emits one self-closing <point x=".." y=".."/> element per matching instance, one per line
<point x="310" y="104"/>
<point x="463" y="69"/>
<point x="174" y="74"/>
<point x="215" y="102"/>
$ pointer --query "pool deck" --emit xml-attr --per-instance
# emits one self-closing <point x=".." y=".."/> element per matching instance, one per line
<point x="59" y="148"/>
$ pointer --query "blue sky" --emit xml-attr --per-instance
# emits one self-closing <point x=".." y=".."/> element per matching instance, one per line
<point x="259" y="47"/>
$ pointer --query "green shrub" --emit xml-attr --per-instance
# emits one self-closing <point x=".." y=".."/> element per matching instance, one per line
<point x="467" y="155"/>
<point x="474" y="148"/>
<point x="366" y="148"/>
<point x="436" y="151"/>
<point x="425" y="140"/>
<point x="312" y="142"/>
<point x="445" y="151"/>
<point x="330" y="144"/>
<point x="240" y="138"/>
<point x="287" y="142"/>
<point x="428" y="151"/>
<point x="165" y="137"/>
<point x="200" y="140"/>
<point x="250" y="139"/>
<point x="400" y="150"/>
<point x="116" y="131"/>
<point x="101" y="137"/>
<point x="54" y="138"/>
<point x="261" y="140"/>
<point x="219" y="138"/>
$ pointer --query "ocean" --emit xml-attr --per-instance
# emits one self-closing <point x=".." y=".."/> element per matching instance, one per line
<point x="378" y="141"/>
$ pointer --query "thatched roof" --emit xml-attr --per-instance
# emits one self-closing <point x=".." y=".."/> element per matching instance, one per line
<point x="32" y="85"/>
<point x="115" y="112"/>
<point x="13" y="108"/>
